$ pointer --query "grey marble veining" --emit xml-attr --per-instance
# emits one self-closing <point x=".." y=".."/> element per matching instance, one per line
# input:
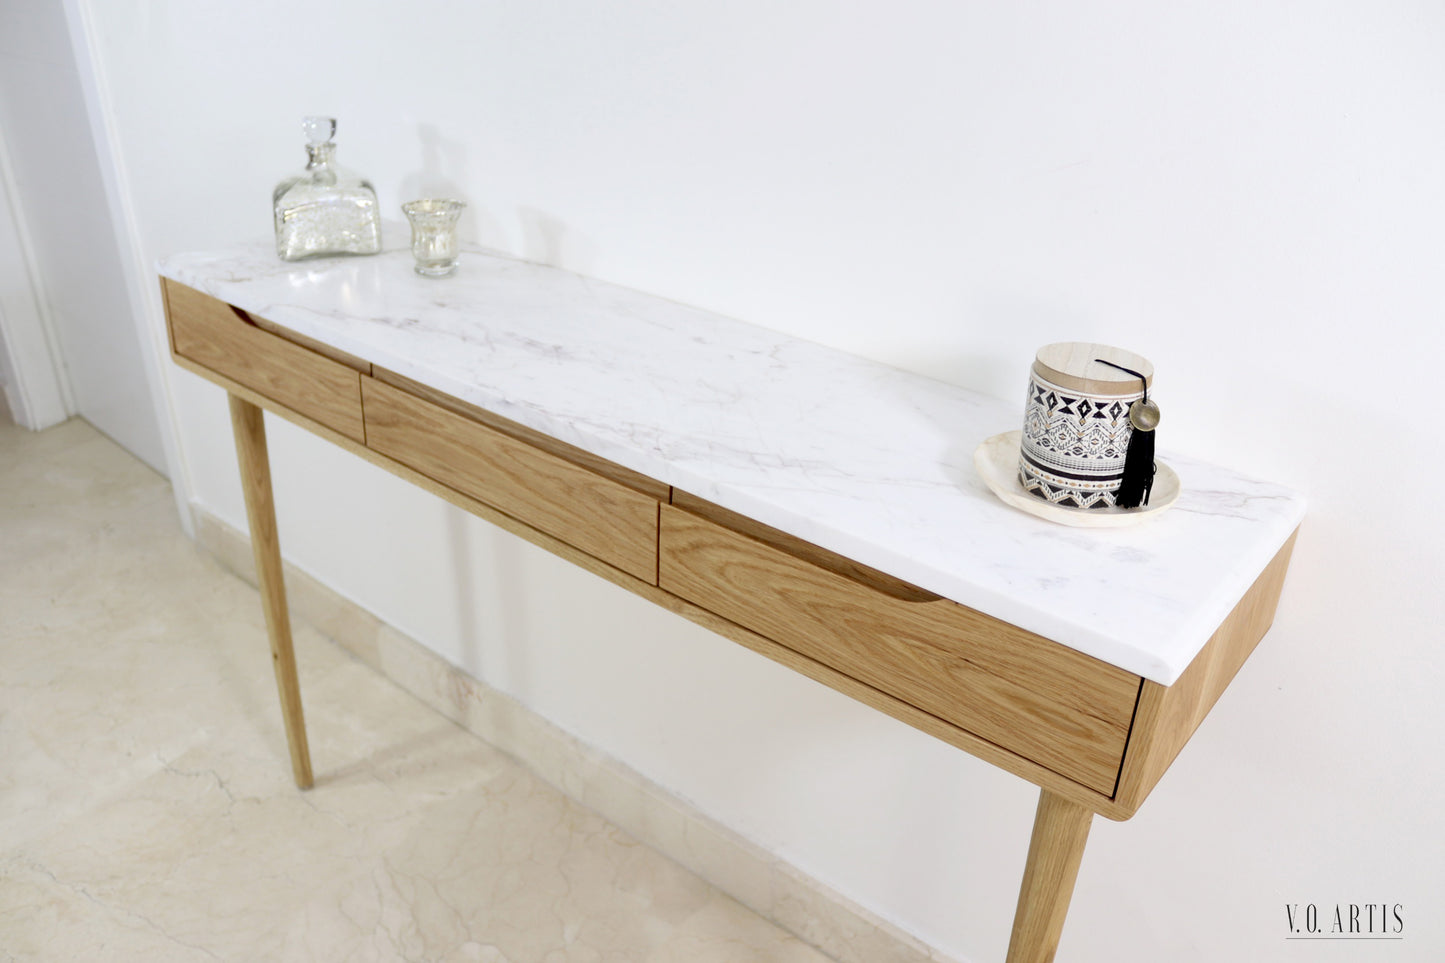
<point x="863" y="459"/>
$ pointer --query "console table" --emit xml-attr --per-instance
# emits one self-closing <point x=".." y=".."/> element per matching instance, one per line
<point x="816" y="507"/>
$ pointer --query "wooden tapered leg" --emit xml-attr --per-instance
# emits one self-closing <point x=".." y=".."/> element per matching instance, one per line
<point x="250" y="431"/>
<point x="1061" y="828"/>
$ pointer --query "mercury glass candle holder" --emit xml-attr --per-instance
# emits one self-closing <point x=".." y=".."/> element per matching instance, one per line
<point x="434" y="235"/>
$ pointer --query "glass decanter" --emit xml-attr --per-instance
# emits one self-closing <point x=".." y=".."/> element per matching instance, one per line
<point x="327" y="209"/>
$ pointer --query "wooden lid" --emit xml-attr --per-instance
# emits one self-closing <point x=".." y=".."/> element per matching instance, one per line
<point x="1073" y="365"/>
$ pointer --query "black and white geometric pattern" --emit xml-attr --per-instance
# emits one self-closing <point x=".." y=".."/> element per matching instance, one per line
<point x="1074" y="445"/>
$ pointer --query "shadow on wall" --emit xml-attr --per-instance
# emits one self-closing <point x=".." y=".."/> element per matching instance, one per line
<point x="491" y="593"/>
<point x="547" y="240"/>
<point x="443" y="174"/>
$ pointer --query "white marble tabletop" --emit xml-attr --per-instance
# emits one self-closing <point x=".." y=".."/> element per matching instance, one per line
<point x="861" y="458"/>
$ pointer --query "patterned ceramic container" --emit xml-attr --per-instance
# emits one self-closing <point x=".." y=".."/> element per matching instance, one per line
<point x="1076" y="424"/>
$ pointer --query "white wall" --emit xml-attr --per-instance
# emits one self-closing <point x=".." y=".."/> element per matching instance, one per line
<point x="1248" y="193"/>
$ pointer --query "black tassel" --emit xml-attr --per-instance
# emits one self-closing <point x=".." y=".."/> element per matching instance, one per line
<point x="1138" y="480"/>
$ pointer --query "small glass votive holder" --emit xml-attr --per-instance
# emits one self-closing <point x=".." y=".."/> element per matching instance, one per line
<point x="434" y="235"/>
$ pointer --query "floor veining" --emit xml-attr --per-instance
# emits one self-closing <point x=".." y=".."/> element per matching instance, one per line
<point x="146" y="804"/>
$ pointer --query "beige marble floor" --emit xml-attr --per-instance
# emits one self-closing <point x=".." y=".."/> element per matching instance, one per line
<point x="146" y="807"/>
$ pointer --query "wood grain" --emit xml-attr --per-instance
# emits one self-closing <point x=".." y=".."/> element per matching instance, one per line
<point x="250" y="431"/>
<point x="212" y="334"/>
<point x="1056" y="848"/>
<point x="598" y="515"/>
<point x="798" y="548"/>
<point x="1057" y="707"/>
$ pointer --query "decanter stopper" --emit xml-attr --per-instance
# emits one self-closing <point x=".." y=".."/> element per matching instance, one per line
<point x="319" y="130"/>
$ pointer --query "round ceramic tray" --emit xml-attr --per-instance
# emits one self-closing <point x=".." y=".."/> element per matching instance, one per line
<point x="997" y="461"/>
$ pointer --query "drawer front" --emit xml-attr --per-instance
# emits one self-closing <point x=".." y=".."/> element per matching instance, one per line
<point x="602" y="517"/>
<point x="212" y="334"/>
<point x="1059" y="708"/>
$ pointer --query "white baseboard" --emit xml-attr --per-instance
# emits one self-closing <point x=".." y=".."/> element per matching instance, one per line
<point x="762" y="882"/>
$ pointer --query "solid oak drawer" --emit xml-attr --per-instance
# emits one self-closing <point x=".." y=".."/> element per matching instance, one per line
<point x="598" y="515"/>
<point x="1057" y="707"/>
<point x="223" y="339"/>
